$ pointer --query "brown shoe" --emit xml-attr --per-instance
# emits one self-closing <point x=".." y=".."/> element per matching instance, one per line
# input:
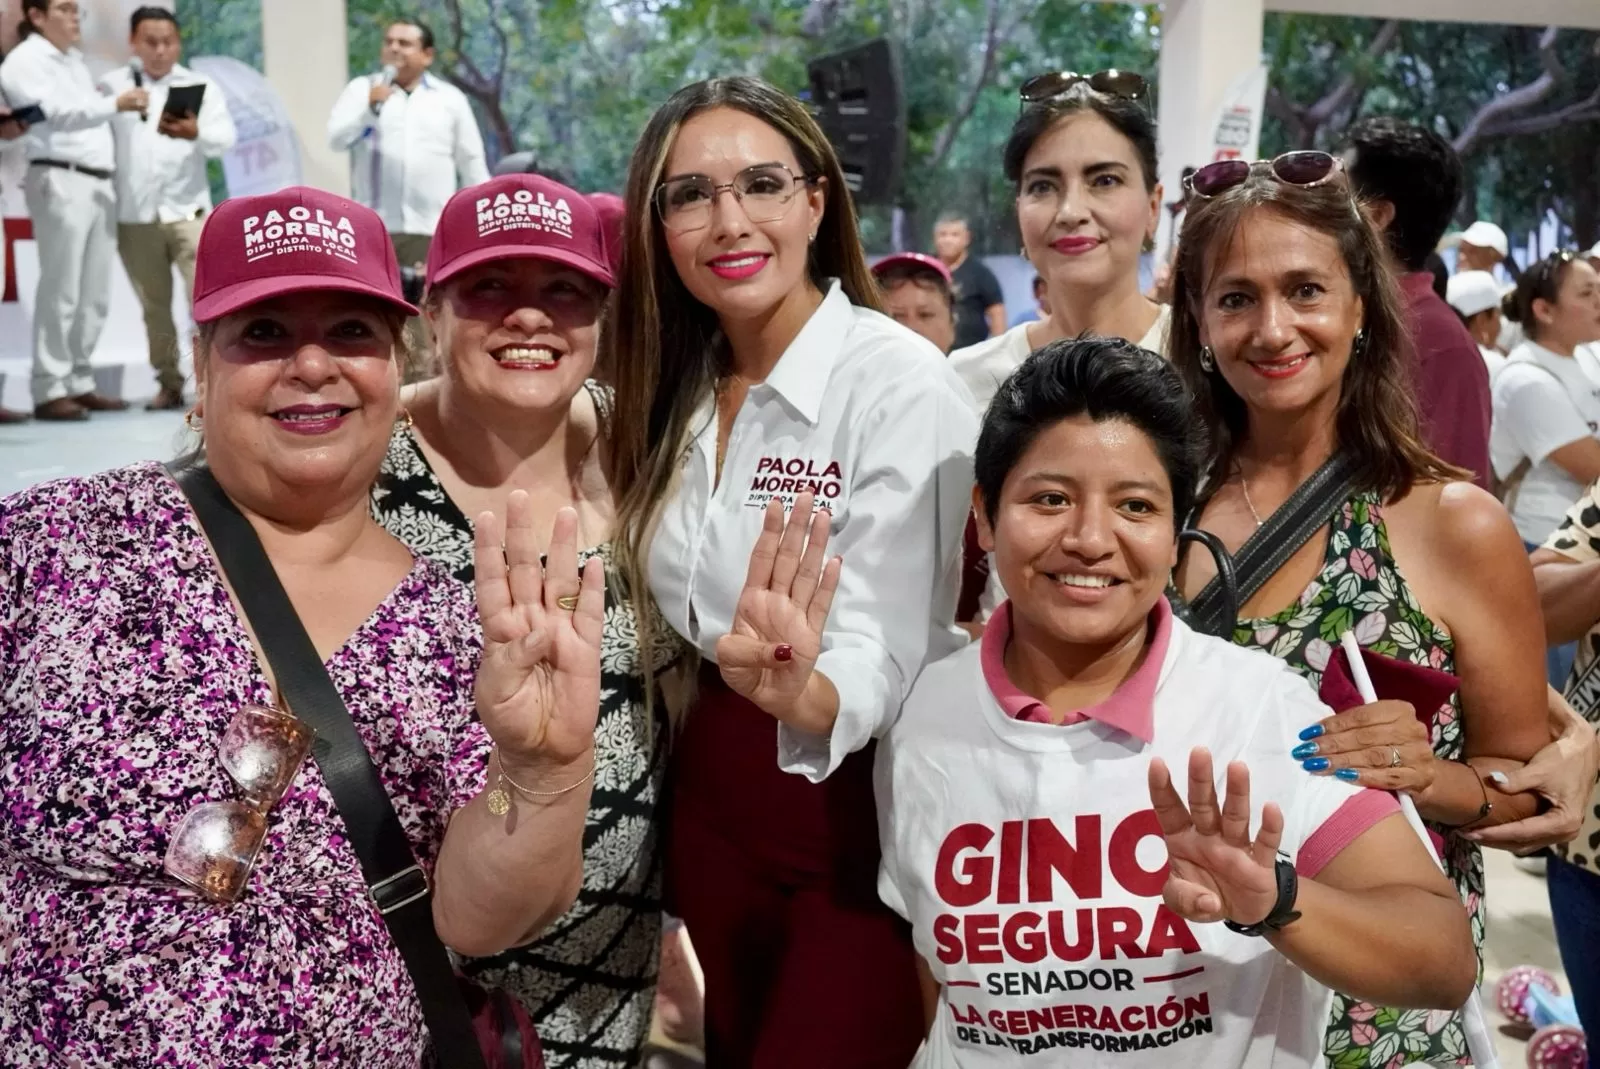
<point x="95" y="402"/>
<point x="165" y="401"/>
<point x="61" y="410"/>
<point x="8" y="416"/>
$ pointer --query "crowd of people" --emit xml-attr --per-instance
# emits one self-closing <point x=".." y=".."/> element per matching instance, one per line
<point x="969" y="688"/>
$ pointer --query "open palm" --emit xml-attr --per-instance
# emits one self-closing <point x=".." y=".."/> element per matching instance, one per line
<point x="770" y="652"/>
<point x="1217" y="872"/>
<point x="538" y="688"/>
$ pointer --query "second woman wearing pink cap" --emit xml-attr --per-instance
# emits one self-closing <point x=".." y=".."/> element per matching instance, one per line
<point x="517" y="276"/>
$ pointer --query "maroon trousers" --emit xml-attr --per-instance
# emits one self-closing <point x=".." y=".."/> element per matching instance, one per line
<point x="775" y="878"/>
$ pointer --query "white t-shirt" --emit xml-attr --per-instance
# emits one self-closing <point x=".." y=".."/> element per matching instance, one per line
<point x="984" y="366"/>
<point x="1542" y="402"/>
<point x="1030" y="863"/>
<point x="1493" y="359"/>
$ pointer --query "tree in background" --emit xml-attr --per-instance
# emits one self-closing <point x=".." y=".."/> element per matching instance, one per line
<point x="575" y="80"/>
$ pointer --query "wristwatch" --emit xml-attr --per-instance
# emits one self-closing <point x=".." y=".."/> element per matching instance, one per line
<point x="1283" y="912"/>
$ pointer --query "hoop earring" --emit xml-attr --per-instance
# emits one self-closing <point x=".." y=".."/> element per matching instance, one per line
<point x="191" y="419"/>
<point x="1208" y="359"/>
<point x="406" y="418"/>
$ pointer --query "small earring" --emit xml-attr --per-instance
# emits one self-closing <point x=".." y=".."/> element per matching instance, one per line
<point x="406" y="418"/>
<point x="1359" y="346"/>
<point x="191" y="419"/>
<point x="813" y="238"/>
<point x="1208" y="359"/>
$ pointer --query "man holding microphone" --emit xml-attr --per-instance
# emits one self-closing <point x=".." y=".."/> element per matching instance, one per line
<point x="412" y="138"/>
<point x="163" y="192"/>
<point x="72" y="201"/>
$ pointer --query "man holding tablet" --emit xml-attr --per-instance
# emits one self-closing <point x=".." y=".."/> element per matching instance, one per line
<point x="163" y="193"/>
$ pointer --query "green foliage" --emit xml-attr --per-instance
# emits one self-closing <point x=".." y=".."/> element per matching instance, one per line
<point x="221" y="28"/>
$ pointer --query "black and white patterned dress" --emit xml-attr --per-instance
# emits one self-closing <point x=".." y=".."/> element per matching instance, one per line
<point x="589" y="982"/>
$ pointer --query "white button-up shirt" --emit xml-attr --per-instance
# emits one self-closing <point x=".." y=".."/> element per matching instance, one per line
<point x="413" y="154"/>
<point x="869" y="417"/>
<point x="77" y="114"/>
<point x="163" y="179"/>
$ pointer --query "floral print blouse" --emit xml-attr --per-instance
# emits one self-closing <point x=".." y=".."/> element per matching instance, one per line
<point x="122" y="659"/>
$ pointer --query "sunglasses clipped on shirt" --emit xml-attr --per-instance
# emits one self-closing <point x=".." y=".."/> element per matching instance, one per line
<point x="1125" y="85"/>
<point x="1305" y="169"/>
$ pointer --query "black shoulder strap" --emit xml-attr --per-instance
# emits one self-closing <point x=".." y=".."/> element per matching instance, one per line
<point x="1215" y="609"/>
<point x="397" y="884"/>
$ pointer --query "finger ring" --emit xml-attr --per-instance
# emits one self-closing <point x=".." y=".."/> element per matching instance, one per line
<point x="568" y="602"/>
<point x="1395" y="762"/>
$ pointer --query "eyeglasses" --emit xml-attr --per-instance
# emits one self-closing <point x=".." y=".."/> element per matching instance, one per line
<point x="1304" y="169"/>
<point x="216" y="845"/>
<point x="763" y="191"/>
<point x="1114" y="83"/>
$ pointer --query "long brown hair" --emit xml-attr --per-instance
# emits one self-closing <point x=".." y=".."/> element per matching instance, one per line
<point x="662" y="350"/>
<point x="1376" y="423"/>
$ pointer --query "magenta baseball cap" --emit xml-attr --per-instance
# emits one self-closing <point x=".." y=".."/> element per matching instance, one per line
<point x="918" y="259"/>
<point x="519" y="216"/>
<point x="613" y="214"/>
<point x="293" y="241"/>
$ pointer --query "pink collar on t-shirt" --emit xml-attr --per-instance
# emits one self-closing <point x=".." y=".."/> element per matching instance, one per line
<point x="1131" y="707"/>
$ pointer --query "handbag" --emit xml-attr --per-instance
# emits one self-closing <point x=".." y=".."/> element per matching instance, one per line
<point x="1215" y="610"/>
<point x="471" y="1028"/>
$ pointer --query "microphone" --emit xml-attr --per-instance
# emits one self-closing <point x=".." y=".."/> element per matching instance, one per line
<point x="136" y="68"/>
<point x="390" y="73"/>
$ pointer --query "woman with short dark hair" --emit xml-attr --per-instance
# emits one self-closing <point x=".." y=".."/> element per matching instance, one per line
<point x="1060" y="890"/>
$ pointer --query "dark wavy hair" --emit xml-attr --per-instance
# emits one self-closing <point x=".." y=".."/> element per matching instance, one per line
<point x="1105" y="379"/>
<point x="1377" y="420"/>
<point x="1130" y="118"/>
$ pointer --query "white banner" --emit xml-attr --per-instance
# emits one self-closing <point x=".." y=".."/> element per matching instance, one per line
<point x="267" y="156"/>
<point x="1236" y="134"/>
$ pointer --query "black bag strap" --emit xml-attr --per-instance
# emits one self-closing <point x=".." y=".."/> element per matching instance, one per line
<point x="396" y="882"/>
<point x="1215" y="610"/>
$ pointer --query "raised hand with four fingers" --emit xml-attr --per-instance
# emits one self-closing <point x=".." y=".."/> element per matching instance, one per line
<point x="538" y="688"/>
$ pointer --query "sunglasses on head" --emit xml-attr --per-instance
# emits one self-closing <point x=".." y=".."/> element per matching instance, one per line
<point x="1305" y="169"/>
<point x="1113" y="83"/>
<point x="1548" y="266"/>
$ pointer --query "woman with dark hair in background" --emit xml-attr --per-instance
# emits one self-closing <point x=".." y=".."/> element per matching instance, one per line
<point x="1288" y="327"/>
<point x="1082" y="157"/>
<point x="753" y="371"/>
<point x="1085" y="704"/>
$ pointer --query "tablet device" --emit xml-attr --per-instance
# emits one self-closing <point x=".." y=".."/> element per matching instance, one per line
<point x="184" y="100"/>
<point x="33" y="115"/>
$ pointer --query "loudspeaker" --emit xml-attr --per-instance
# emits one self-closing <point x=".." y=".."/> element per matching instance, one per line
<point x="858" y="99"/>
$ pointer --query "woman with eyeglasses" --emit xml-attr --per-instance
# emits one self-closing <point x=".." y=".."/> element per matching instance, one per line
<point x="177" y="883"/>
<point x="1288" y="328"/>
<point x="1547" y="397"/>
<point x="1082" y="156"/>
<point x="754" y="374"/>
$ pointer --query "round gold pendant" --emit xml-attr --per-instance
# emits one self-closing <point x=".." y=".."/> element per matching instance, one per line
<point x="499" y="802"/>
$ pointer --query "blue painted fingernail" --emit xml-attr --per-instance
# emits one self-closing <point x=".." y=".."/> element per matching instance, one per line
<point x="1312" y="732"/>
<point x="1349" y="775"/>
<point x="1316" y="764"/>
<point x="1303" y="751"/>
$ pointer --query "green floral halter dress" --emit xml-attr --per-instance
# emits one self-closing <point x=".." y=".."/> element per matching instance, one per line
<point x="1360" y="589"/>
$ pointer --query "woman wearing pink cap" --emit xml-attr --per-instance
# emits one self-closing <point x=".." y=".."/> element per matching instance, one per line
<point x="517" y="276"/>
<point x="754" y="373"/>
<point x="917" y="293"/>
<point x="178" y="884"/>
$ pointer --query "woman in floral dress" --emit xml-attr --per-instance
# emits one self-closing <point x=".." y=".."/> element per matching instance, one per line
<point x="124" y="661"/>
<point x="1288" y="328"/>
<point x="514" y="312"/>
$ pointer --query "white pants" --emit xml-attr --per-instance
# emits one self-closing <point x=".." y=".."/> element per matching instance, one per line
<point x="75" y="229"/>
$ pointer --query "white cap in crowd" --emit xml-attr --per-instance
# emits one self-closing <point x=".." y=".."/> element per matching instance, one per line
<point x="1487" y="236"/>
<point x="1472" y="292"/>
<point x="1594" y="253"/>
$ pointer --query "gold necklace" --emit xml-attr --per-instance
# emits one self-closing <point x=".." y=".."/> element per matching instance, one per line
<point x="1244" y="484"/>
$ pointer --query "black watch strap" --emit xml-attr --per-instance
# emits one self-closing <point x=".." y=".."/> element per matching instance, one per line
<point x="1283" y="912"/>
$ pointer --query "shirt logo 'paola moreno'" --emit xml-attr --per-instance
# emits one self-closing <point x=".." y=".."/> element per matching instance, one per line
<point x="789" y="477"/>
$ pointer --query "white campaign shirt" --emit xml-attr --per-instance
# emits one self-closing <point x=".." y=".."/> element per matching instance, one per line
<point x="412" y="156"/>
<point x="1029" y="861"/>
<point x="77" y="114"/>
<point x="984" y="366"/>
<point x="869" y="417"/>
<point x="162" y="179"/>
<point x="1542" y="402"/>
